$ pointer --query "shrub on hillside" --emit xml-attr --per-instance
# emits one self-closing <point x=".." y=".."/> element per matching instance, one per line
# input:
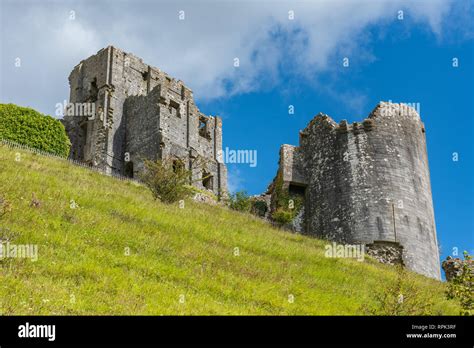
<point x="167" y="182"/>
<point x="240" y="201"/>
<point x="461" y="287"/>
<point x="259" y="208"/>
<point x="29" y="127"/>
<point x="282" y="217"/>
<point x="286" y="205"/>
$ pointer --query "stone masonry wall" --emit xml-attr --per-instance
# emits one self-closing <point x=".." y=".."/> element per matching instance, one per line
<point x="142" y="113"/>
<point x="368" y="182"/>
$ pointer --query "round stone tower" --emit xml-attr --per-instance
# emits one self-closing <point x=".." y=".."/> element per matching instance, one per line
<point x="369" y="183"/>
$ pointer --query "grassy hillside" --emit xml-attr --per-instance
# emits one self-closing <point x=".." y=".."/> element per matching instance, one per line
<point x="181" y="261"/>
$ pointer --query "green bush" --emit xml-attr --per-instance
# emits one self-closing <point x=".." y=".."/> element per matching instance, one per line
<point x="259" y="208"/>
<point x="286" y="205"/>
<point x="240" y="201"/>
<point x="167" y="182"/>
<point x="282" y="216"/>
<point x="29" y="127"/>
<point x="461" y="287"/>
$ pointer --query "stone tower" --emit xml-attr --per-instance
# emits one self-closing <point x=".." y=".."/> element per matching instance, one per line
<point x="366" y="183"/>
<point x="140" y="113"/>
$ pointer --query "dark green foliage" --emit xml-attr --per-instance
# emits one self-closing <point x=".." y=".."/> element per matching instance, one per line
<point x="240" y="201"/>
<point x="167" y="182"/>
<point x="259" y="208"/>
<point x="461" y="287"/>
<point x="287" y="206"/>
<point x="282" y="216"/>
<point x="29" y="127"/>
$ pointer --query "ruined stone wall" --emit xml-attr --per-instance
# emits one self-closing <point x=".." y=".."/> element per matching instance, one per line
<point x="390" y="253"/>
<point x="291" y="164"/>
<point x="453" y="267"/>
<point x="367" y="182"/>
<point x="370" y="182"/>
<point x="143" y="137"/>
<point x="145" y="114"/>
<point x="89" y="83"/>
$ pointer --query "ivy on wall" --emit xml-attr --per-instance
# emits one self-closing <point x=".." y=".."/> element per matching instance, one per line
<point x="286" y="205"/>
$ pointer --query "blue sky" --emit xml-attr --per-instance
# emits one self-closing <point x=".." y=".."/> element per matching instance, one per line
<point x="282" y="62"/>
<point x="411" y="66"/>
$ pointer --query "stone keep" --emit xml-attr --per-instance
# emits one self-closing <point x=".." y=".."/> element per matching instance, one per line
<point x="141" y="113"/>
<point x="366" y="183"/>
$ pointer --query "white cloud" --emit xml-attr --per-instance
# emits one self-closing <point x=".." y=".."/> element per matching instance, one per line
<point x="199" y="50"/>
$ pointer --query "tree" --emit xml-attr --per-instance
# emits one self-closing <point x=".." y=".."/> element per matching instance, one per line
<point x="461" y="286"/>
<point x="169" y="180"/>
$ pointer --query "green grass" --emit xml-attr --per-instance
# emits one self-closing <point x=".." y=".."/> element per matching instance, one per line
<point x="175" y="254"/>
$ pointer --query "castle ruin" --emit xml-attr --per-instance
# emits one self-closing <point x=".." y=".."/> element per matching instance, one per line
<point x="141" y="113"/>
<point x="364" y="183"/>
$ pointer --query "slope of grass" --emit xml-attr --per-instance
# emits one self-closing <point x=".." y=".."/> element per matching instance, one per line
<point x="121" y="252"/>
